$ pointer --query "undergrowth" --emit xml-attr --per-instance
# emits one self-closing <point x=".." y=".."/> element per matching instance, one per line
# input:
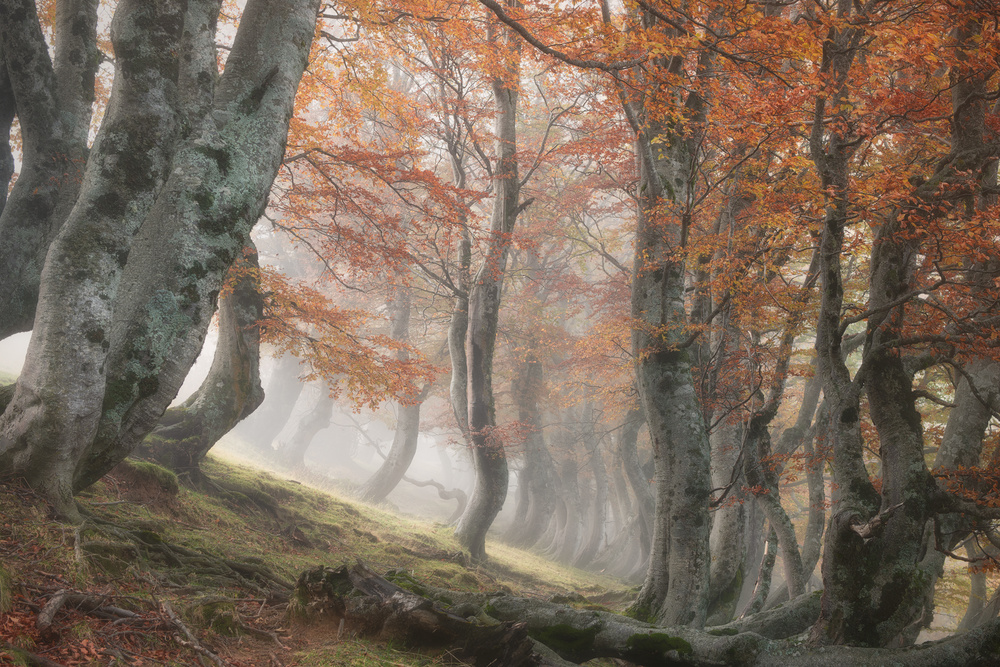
<point x="197" y="577"/>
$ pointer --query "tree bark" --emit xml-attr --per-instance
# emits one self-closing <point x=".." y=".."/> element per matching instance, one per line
<point x="53" y="99"/>
<point x="282" y="393"/>
<point x="489" y="458"/>
<point x="7" y="113"/>
<point x="675" y="591"/>
<point x="230" y="391"/>
<point x="177" y="157"/>
<point x="292" y="452"/>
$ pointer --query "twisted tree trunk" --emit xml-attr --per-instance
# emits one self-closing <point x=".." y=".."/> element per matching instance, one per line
<point x="230" y="391"/>
<point x="282" y="393"/>
<point x="488" y="456"/>
<point x="53" y="100"/>
<point x="182" y="153"/>
<point x="292" y="453"/>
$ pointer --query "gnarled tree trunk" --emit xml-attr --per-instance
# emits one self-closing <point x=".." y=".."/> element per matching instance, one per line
<point x="404" y="441"/>
<point x="488" y="456"/>
<point x="292" y="452"/>
<point x="230" y="391"/>
<point x="280" y="396"/>
<point x="177" y="177"/>
<point x="53" y="99"/>
<point x="536" y="489"/>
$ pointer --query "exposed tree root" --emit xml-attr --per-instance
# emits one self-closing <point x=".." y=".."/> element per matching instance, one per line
<point x="427" y="616"/>
<point x="133" y="545"/>
<point x="367" y="604"/>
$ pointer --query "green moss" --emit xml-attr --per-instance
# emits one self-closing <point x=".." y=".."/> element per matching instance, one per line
<point x="216" y="615"/>
<point x="406" y="581"/>
<point x="641" y="612"/>
<point x="6" y="591"/>
<point x="166" y="479"/>
<point x="111" y="557"/>
<point x="205" y="199"/>
<point x="724" y="632"/>
<point x="652" y="646"/>
<point x="566" y="640"/>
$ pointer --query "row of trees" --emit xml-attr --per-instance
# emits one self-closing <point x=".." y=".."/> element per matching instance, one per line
<point x="797" y="200"/>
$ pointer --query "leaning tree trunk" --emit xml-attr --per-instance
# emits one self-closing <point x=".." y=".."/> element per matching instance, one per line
<point x="489" y="458"/>
<point x="404" y="441"/>
<point x="182" y="154"/>
<point x="569" y="493"/>
<point x="628" y="453"/>
<point x="230" y="391"/>
<point x="598" y="513"/>
<point x="282" y="393"/>
<point x="54" y="103"/>
<point x="292" y="452"/>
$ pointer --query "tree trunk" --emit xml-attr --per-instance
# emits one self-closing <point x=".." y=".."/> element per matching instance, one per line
<point x="874" y="570"/>
<point x="569" y="494"/>
<point x="598" y="513"/>
<point x="292" y="453"/>
<point x="676" y="588"/>
<point x="53" y="100"/>
<point x="282" y="393"/>
<point x="404" y="442"/>
<point x="177" y="157"/>
<point x="230" y="391"/>
<point x="489" y="459"/>
<point x="729" y="523"/>
<point x="639" y="483"/>
<point x="437" y="617"/>
<point x="536" y="480"/>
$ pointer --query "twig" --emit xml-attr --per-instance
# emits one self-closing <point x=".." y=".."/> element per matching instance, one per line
<point x="192" y="641"/>
<point x="259" y="632"/>
<point x="32" y="659"/>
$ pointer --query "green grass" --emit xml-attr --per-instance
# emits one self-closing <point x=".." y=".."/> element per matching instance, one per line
<point x="257" y="517"/>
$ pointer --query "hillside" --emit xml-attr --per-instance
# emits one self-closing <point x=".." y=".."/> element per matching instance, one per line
<point x="161" y="574"/>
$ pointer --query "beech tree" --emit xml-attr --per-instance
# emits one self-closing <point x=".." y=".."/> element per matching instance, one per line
<point x="178" y="174"/>
<point x="907" y="210"/>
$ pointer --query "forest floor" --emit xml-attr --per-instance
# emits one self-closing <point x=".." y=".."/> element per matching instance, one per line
<point x="165" y="575"/>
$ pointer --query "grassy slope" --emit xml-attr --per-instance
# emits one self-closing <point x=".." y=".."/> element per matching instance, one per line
<point x="308" y="527"/>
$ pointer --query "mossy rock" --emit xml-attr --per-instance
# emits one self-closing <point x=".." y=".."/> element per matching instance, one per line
<point x="145" y="482"/>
